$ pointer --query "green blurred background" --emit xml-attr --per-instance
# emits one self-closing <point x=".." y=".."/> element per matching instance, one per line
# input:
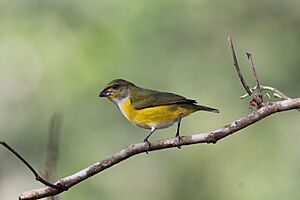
<point x="55" y="56"/>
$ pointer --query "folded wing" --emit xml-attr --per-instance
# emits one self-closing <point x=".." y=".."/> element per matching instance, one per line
<point x="145" y="98"/>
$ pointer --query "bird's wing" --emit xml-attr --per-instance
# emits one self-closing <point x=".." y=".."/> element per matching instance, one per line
<point x="144" y="98"/>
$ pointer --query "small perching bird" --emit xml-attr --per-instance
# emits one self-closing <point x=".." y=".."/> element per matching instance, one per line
<point x="150" y="109"/>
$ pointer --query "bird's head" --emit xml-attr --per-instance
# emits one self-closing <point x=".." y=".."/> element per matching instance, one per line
<point x="116" y="90"/>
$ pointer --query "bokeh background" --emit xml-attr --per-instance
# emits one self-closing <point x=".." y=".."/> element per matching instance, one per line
<point x="55" y="57"/>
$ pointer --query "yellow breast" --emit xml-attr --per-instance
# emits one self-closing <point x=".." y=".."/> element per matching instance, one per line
<point x="158" y="116"/>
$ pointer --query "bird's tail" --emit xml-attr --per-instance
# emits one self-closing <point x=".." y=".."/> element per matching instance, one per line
<point x="205" y="108"/>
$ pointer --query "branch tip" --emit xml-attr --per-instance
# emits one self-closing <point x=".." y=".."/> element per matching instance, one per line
<point x="248" y="55"/>
<point x="237" y="67"/>
<point x="36" y="175"/>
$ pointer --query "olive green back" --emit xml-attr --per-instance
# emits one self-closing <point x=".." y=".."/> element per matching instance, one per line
<point x="144" y="98"/>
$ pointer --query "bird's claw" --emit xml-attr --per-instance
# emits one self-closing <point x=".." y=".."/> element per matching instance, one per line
<point x="178" y="138"/>
<point x="149" y="144"/>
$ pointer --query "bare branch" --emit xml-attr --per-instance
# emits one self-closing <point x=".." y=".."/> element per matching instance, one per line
<point x="257" y="98"/>
<point x="236" y="64"/>
<point x="37" y="176"/>
<point x="52" y="149"/>
<point x="134" y="149"/>
<point x="249" y="56"/>
<point x="276" y="93"/>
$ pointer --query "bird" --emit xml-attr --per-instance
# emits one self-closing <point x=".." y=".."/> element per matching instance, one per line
<point x="150" y="109"/>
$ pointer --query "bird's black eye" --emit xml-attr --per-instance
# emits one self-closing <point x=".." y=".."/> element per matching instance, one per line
<point x="116" y="86"/>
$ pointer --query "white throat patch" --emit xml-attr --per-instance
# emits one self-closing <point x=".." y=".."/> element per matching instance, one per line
<point x="120" y="102"/>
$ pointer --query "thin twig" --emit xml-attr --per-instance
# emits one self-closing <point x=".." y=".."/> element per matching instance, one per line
<point x="52" y="149"/>
<point x="37" y="176"/>
<point x="236" y="65"/>
<point x="257" y="98"/>
<point x="275" y="92"/>
<point x="134" y="149"/>
<point x="249" y="56"/>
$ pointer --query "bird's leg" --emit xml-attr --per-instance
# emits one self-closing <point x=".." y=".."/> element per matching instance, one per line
<point x="177" y="132"/>
<point x="178" y="127"/>
<point x="150" y="133"/>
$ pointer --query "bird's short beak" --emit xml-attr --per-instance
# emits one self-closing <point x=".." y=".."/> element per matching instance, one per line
<point x="104" y="93"/>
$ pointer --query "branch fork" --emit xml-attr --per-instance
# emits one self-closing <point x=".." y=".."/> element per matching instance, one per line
<point x="256" y="95"/>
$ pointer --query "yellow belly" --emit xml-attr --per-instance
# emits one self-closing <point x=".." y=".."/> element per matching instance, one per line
<point x="158" y="117"/>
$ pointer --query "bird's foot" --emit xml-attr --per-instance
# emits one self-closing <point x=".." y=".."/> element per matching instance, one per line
<point x="149" y="144"/>
<point x="178" y="138"/>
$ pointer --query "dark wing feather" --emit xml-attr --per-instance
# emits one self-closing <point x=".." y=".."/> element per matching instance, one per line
<point x="145" y="98"/>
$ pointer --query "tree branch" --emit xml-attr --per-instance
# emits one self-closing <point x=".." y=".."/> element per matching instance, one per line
<point x="236" y="65"/>
<point x="134" y="149"/>
<point x="250" y="60"/>
<point x="256" y="97"/>
<point x="276" y="93"/>
<point x="37" y="176"/>
<point x="52" y="149"/>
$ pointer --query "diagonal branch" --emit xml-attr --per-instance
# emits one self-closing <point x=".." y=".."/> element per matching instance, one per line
<point x="37" y="176"/>
<point x="257" y="98"/>
<point x="249" y="56"/>
<point x="236" y="65"/>
<point x="134" y="149"/>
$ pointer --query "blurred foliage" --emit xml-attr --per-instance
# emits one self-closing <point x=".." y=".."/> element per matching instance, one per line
<point x="55" y="56"/>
